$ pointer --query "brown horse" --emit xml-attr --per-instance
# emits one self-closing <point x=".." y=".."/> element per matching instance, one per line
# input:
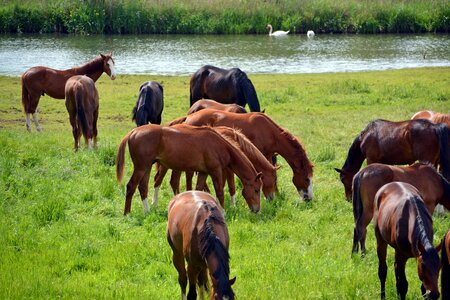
<point x="82" y="105"/>
<point x="445" y="263"/>
<point x="268" y="137"/>
<point x="224" y="86"/>
<point x="196" y="231"/>
<point x="402" y="221"/>
<point x="432" y="186"/>
<point x="38" y="81"/>
<point x="432" y="116"/>
<point x="209" y="153"/>
<point x="208" y="103"/>
<point x="397" y="143"/>
<point x="258" y="160"/>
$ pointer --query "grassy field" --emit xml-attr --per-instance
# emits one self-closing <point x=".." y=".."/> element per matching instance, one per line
<point x="63" y="235"/>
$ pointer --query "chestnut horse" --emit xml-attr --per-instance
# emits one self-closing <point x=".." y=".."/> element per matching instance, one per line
<point x="224" y="86"/>
<point x="208" y="153"/>
<point x="268" y="137"/>
<point x="432" y="186"/>
<point x="261" y="164"/>
<point x="82" y="105"/>
<point x="196" y="231"/>
<point x="149" y="104"/>
<point x="402" y="221"/>
<point x="432" y="116"/>
<point x="397" y="143"/>
<point x="445" y="263"/>
<point x="208" y="103"/>
<point x="38" y="81"/>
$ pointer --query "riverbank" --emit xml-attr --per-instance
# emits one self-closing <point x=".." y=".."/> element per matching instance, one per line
<point x="223" y="17"/>
<point x="63" y="235"/>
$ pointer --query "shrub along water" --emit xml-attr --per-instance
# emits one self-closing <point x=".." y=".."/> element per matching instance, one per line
<point x="223" y="17"/>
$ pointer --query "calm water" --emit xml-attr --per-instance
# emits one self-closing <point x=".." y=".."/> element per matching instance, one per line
<point x="184" y="54"/>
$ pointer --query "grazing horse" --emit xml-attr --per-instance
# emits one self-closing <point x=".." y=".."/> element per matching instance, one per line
<point x="208" y="103"/>
<point x="82" y="105"/>
<point x="196" y="231"/>
<point x="261" y="164"/>
<point x="397" y="143"/>
<point x="432" y="186"/>
<point x="445" y="263"/>
<point x="209" y="153"/>
<point x="38" y="81"/>
<point x="402" y="221"/>
<point x="224" y="86"/>
<point x="149" y="104"/>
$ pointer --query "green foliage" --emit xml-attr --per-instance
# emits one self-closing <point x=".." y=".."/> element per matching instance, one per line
<point x="61" y="211"/>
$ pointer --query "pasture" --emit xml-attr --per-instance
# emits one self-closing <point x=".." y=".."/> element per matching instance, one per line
<point x="62" y="229"/>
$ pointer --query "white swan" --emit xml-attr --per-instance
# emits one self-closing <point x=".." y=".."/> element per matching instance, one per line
<point x="276" y="33"/>
<point x="310" y="34"/>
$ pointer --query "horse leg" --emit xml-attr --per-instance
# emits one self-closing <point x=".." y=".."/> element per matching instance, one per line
<point x="95" y="128"/>
<point x="75" y="131"/>
<point x="217" y="178"/>
<point x="189" y="176"/>
<point x="175" y="181"/>
<point x="231" y="186"/>
<point x="382" y="266"/>
<point x="160" y="173"/>
<point x="131" y="188"/>
<point x="178" y="262"/>
<point x="201" y="181"/>
<point x="192" y="275"/>
<point x="401" y="282"/>
<point x="143" y="189"/>
<point x="28" y="121"/>
<point x="203" y="282"/>
<point x="356" y="236"/>
<point x="36" y="122"/>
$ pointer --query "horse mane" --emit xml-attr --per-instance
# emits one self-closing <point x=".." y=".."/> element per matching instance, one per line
<point x="355" y="157"/>
<point x="441" y="118"/>
<point x="196" y="83"/>
<point x="91" y="66"/>
<point x="442" y="131"/>
<point x="420" y="233"/>
<point x="247" y="89"/>
<point x="209" y="243"/>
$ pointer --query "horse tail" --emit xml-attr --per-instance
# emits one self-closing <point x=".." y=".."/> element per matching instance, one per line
<point x="357" y="202"/>
<point x="248" y="91"/>
<point x="120" y="158"/>
<point x="196" y="85"/>
<point x="78" y="93"/>
<point x="179" y="120"/>
<point x="442" y="132"/>
<point x="25" y="96"/>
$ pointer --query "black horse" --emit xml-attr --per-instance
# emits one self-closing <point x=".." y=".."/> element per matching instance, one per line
<point x="224" y="86"/>
<point x="149" y="104"/>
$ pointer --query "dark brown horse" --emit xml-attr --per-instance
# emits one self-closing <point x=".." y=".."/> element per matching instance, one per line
<point x="82" y="105"/>
<point x="403" y="222"/>
<point x="261" y="164"/>
<point x="208" y="103"/>
<point x="445" y="263"/>
<point x="268" y="137"/>
<point x="197" y="233"/>
<point x="38" y="81"/>
<point x="397" y="143"/>
<point x="432" y="186"/>
<point x="185" y="148"/>
<point x="224" y="86"/>
<point x="149" y="104"/>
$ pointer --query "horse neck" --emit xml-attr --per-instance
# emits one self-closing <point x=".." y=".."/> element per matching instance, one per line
<point x="248" y="91"/>
<point x="292" y="151"/>
<point x="240" y="164"/>
<point x="92" y="69"/>
<point x="355" y="157"/>
<point x="445" y="200"/>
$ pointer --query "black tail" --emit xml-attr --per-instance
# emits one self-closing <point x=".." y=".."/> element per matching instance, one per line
<point x="444" y="152"/>
<point x="445" y="273"/>
<point x="80" y="110"/>
<point x="357" y="202"/>
<point x="248" y="91"/>
<point x="196" y="84"/>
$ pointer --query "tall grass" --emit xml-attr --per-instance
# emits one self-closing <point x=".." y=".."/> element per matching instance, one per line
<point x="223" y="17"/>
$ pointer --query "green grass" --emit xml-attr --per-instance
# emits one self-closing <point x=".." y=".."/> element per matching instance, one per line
<point x="63" y="235"/>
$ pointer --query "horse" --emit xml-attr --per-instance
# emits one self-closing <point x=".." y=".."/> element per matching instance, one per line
<point x="432" y="116"/>
<point x="149" y="104"/>
<point x="197" y="233"/>
<point x="397" y="143"/>
<point x="209" y="153"/>
<point x="261" y="164"/>
<point x="208" y="103"/>
<point x="445" y="264"/>
<point x="38" y="81"/>
<point x="432" y="186"/>
<point x="224" y="86"/>
<point x="402" y="221"/>
<point x="82" y="105"/>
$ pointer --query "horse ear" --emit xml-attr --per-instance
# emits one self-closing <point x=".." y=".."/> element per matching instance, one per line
<point x="338" y="170"/>
<point x="102" y="55"/>
<point x="277" y="167"/>
<point x="142" y="85"/>
<point x="232" y="281"/>
<point x="259" y="175"/>
<point x="263" y="111"/>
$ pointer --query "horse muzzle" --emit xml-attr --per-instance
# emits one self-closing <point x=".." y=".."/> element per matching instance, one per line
<point x="306" y="195"/>
<point x="270" y="196"/>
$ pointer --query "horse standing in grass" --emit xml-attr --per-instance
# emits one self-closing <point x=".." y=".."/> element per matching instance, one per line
<point x="268" y="137"/>
<point x="432" y="186"/>
<point x="445" y="262"/>
<point x="208" y="153"/>
<point x="82" y="105"/>
<point x="403" y="222"/>
<point x="208" y="103"/>
<point x="196" y="231"/>
<point x="38" y="81"/>
<point x="224" y="86"/>
<point x="149" y="104"/>
<point x="397" y="143"/>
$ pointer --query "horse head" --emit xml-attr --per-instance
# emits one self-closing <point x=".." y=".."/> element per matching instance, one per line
<point x="251" y="193"/>
<point x="346" y="179"/>
<point x="222" y="291"/>
<point x="109" y="65"/>
<point x="428" y="265"/>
